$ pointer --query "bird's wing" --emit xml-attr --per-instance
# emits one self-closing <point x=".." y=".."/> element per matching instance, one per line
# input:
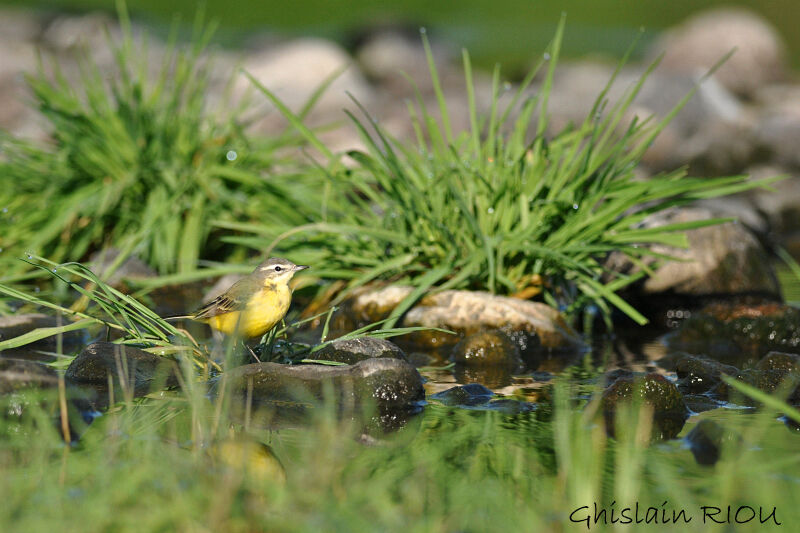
<point x="234" y="299"/>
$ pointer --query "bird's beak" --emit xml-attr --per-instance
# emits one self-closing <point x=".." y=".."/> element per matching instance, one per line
<point x="300" y="267"/>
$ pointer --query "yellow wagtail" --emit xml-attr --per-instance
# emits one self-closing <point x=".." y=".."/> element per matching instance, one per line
<point x="254" y="304"/>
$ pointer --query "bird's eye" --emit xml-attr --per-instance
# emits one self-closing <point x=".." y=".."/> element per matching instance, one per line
<point x="277" y="269"/>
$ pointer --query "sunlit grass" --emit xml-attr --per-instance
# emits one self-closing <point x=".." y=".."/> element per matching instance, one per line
<point x="139" y="160"/>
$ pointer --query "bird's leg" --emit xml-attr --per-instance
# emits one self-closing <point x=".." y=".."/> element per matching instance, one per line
<point x="249" y="349"/>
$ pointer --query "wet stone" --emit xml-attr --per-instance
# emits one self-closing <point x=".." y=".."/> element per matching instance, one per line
<point x="139" y="369"/>
<point x="470" y="394"/>
<point x="392" y="384"/>
<point x="780" y="361"/>
<point x="705" y="441"/>
<point x="16" y="374"/>
<point x="487" y="348"/>
<point x="699" y="403"/>
<point x="464" y="312"/>
<point x="654" y="389"/>
<point x="17" y="325"/>
<point x="769" y="381"/>
<point x="739" y="334"/>
<point x="352" y="351"/>
<point x="697" y="375"/>
<point x="490" y="376"/>
<point x="669" y="409"/>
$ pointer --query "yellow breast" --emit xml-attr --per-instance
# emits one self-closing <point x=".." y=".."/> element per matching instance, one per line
<point x="264" y="309"/>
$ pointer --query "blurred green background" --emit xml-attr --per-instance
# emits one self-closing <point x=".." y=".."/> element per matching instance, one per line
<point x="508" y="31"/>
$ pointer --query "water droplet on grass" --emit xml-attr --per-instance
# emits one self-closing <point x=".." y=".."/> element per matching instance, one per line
<point x="5" y="210"/>
<point x="490" y="210"/>
<point x="231" y="155"/>
<point x="546" y="56"/>
<point x="423" y="30"/>
<point x="575" y="206"/>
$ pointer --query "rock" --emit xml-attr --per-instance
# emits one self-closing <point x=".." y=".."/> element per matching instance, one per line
<point x="699" y="403"/>
<point x="769" y="381"/>
<point x="739" y="333"/>
<point x="18" y="374"/>
<point x="388" y="55"/>
<point x="654" y="390"/>
<point x="788" y="362"/>
<point x="132" y="267"/>
<point x="701" y="41"/>
<point x="724" y="259"/>
<point x="698" y="375"/>
<point x="487" y="348"/>
<point x="777" y="134"/>
<point x="127" y="365"/>
<point x="470" y="394"/>
<point x="493" y="377"/>
<point x="352" y="351"/>
<point x="465" y="312"/>
<point x="393" y="384"/>
<point x="17" y="325"/>
<point x="706" y="439"/>
<point x="294" y="70"/>
<point x="781" y="206"/>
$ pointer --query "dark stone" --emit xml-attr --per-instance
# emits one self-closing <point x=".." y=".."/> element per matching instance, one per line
<point x="392" y="384"/>
<point x="699" y="403"/>
<point x="698" y="375"/>
<point x="18" y="374"/>
<point x="705" y="441"/>
<point x="141" y="370"/>
<point x="653" y="389"/>
<point x="669" y="409"/>
<point x="491" y="376"/>
<point x="613" y="375"/>
<point x="17" y="325"/>
<point x="470" y="394"/>
<point x="780" y="361"/>
<point x="351" y="351"/>
<point x="487" y="349"/>
<point x="769" y="381"/>
<point x="739" y="334"/>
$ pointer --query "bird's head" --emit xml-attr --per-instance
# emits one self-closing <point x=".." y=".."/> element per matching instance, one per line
<point x="277" y="270"/>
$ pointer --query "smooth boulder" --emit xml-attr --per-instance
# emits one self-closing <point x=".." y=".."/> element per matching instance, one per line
<point x="392" y="384"/>
<point x="352" y="351"/>
<point x="127" y="366"/>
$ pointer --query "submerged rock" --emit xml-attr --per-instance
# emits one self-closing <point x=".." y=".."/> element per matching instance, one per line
<point x="127" y="366"/>
<point x="706" y="439"/>
<point x="352" y="351"/>
<point x="17" y="325"/>
<point x="392" y="384"/>
<point x="739" y="333"/>
<point x="465" y="312"/>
